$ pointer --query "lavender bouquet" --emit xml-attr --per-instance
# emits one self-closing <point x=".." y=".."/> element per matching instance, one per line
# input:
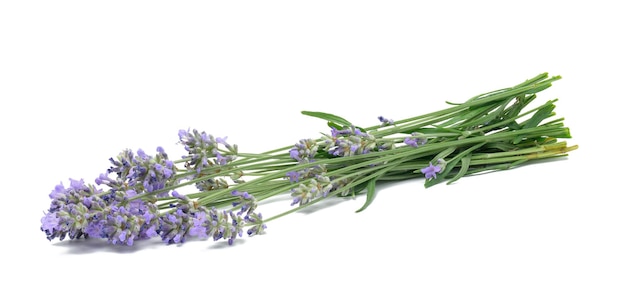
<point x="214" y="191"/>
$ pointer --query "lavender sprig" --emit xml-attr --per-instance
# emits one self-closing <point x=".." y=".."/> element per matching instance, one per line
<point x="140" y="196"/>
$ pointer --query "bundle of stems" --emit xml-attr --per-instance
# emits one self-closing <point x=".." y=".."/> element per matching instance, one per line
<point x="143" y="197"/>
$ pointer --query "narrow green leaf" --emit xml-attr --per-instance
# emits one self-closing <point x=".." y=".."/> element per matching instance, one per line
<point x="518" y="162"/>
<point x="497" y="167"/>
<point x="465" y="164"/>
<point x="371" y="192"/>
<point x="329" y="117"/>
<point x="334" y="125"/>
<point x="450" y="165"/>
<point x="359" y="187"/>
<point x="485" y="118"/>
<point x="538" y="117"/>
<point x="445" y="153"/>
<point x="521" y="102"/>
<point x="514" y="126"/>
<point x="501" y="146"/>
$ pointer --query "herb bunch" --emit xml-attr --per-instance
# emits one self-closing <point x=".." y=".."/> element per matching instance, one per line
<point x="142" y="196"/>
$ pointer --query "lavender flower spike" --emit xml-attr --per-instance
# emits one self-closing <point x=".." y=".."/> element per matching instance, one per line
<point x="201" y="147"/>
<point x="385" y="121"/>
<point x="304" y="151"/>
<point x="415" y="140"/>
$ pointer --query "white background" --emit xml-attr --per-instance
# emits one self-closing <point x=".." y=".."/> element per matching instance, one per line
<point x="82" y="80"/>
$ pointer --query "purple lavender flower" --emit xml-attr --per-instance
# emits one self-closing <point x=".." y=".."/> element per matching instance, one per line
<point x="121" y="227"/>
<point x="220" y="159"/>
<point x="247" y="202"/>
<point x="72" y="221"/>
<point x="235" y="228"/>
<point x="385" y="121"/>
<point x="231" y="148"/>
<point x="294" y="153"/>
<point x="189" y="219"/>
<point x="96" y="227"/>
<point x="142" y="218"/>
<point x="124" y="220"/>
<point x="349" y="142"/>
<point x="201" y="147"/>
<point x="69" y="211"/>
<point x="294" y="176"/>
<point x="175" y="226"/>
<point x="340" y="183"/>
<point x="314" y="188"/>
<point x="431" y="170"/>
<point x="199" y="225"/>
<point x="150" y="174"/>
<point x="121" y="217"/>
<point x="212" y="223"/>
<point x="59" y="191"/>
<point x="304" y="151"/>
<point x="151" y="231"/>
<point x="255" y="219"/>
<point x="212" y="184"/>
<point x="388" y="145"/>
<point x="305" y="173"/>
<point x="334" y="132"/>
<point x="140" y="172"/>
<point x="83" y="211"/>
<point x="182" y="197"/>
<point x="50" y="222"/>
<point x="415" y="140"/>
<point x="123" y="163"/>
<point x="243" y="195"/>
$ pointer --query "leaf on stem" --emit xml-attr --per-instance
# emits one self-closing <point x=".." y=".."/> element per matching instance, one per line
<point x="465" y="163"/>
<point x="371" y="192"/>
<point x="541" y="114"/>
<point x="451" y="164"/>
<point x="331" y="118"/>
